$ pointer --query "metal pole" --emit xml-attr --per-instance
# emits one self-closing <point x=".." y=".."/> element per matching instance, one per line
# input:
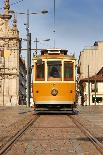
<point x="29" y="69"/>
<point x="54" y="24"/>
<point x="4" y="84"/>
<point x="28" y="61"/>
<point x="88" y="87"/>
<point x="95" y="91"/>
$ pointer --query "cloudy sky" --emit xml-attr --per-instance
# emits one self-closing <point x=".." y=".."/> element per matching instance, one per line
<point x="79" y="23"/>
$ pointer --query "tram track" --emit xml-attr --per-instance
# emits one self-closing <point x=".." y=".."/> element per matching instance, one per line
<point x="92" y="138"/>
<point x="13" y="139"/>
<point x="48" y="130"/>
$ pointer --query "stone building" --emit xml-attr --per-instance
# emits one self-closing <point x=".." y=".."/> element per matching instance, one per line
<point x="92" y="56"/>
<point x="10" y="60"/>
<point x="90" y="69"/>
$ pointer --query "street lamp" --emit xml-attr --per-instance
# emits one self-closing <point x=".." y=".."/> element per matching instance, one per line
<point x="12" y="11"/>
<point x="29" y="54"/>
<point x="46" y="40"/>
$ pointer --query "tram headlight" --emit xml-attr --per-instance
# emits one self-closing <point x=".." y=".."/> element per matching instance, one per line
<point x="54" y="92"/>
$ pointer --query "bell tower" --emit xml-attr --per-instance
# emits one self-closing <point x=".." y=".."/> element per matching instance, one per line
<point x="6" y="16"/>
<point x="9" y="43"/>
<point x="6" y="7"/>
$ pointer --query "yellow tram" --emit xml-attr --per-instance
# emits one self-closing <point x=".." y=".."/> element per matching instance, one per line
<point x="54" y="82"/>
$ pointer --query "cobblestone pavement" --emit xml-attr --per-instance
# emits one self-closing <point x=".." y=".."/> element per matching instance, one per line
<point x="12" y="119"/>
<point x="52" y="134"/>
<point x="92" y="118"/>
<point x="10" y="115"/>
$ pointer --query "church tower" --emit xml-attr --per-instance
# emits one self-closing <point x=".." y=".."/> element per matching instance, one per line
<point x="9" y="59"/>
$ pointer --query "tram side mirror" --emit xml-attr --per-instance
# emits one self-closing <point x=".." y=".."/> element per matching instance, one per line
<point x="39" y="62"/>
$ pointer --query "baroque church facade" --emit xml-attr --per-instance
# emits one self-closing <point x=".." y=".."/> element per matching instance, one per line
<point x="12" y="66"/>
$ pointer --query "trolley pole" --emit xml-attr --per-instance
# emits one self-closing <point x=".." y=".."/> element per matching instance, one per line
<point x="3" y="78"/>
<point x="28" y="61"/>
<point x="36" y="49"/>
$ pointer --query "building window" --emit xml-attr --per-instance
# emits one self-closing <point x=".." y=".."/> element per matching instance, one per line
<point x="94" y="87"/>
<point x="97" y="99"/>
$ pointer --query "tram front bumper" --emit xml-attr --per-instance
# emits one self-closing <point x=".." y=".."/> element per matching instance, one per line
<point x="53" y="102"/>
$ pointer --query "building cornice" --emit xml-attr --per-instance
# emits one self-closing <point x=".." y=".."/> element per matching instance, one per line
<point x="10" y="38"/>
<point x="4" y="17"/>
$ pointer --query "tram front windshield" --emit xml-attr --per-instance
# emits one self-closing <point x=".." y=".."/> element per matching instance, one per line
<point x="54" y="70"/>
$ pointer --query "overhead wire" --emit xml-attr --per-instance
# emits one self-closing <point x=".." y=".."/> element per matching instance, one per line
<point x="54" y="24"/>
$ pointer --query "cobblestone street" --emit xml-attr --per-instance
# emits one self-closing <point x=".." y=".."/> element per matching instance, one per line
<point x="51" y="134"/>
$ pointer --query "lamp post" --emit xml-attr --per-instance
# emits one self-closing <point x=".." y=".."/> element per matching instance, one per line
<point x="88" y="87"/>
<point x="95" y="89"/>
<point x="29" y="55"/>
<point x="28" y="61"/>
<point x="3" y="77"/>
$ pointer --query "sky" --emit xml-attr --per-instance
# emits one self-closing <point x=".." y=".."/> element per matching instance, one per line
<point x="78" y="23"/>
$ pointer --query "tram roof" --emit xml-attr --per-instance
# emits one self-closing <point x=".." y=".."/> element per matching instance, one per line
<point x="60" y="56"/>
<point x="54" y="51"/>
<point x="51" y="53"/>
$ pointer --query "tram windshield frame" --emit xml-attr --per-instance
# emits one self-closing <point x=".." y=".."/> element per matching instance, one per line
<point x="54" y="70"/>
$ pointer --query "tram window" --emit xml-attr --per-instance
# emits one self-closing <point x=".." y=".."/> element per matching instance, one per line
<point x="54" y="70"/>
<point x="40" y="72"/>
<point x="68" y="71"/>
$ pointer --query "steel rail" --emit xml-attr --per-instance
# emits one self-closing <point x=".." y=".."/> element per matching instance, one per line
<point x="94" y="140"/>
<point x="17" y="135"/>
